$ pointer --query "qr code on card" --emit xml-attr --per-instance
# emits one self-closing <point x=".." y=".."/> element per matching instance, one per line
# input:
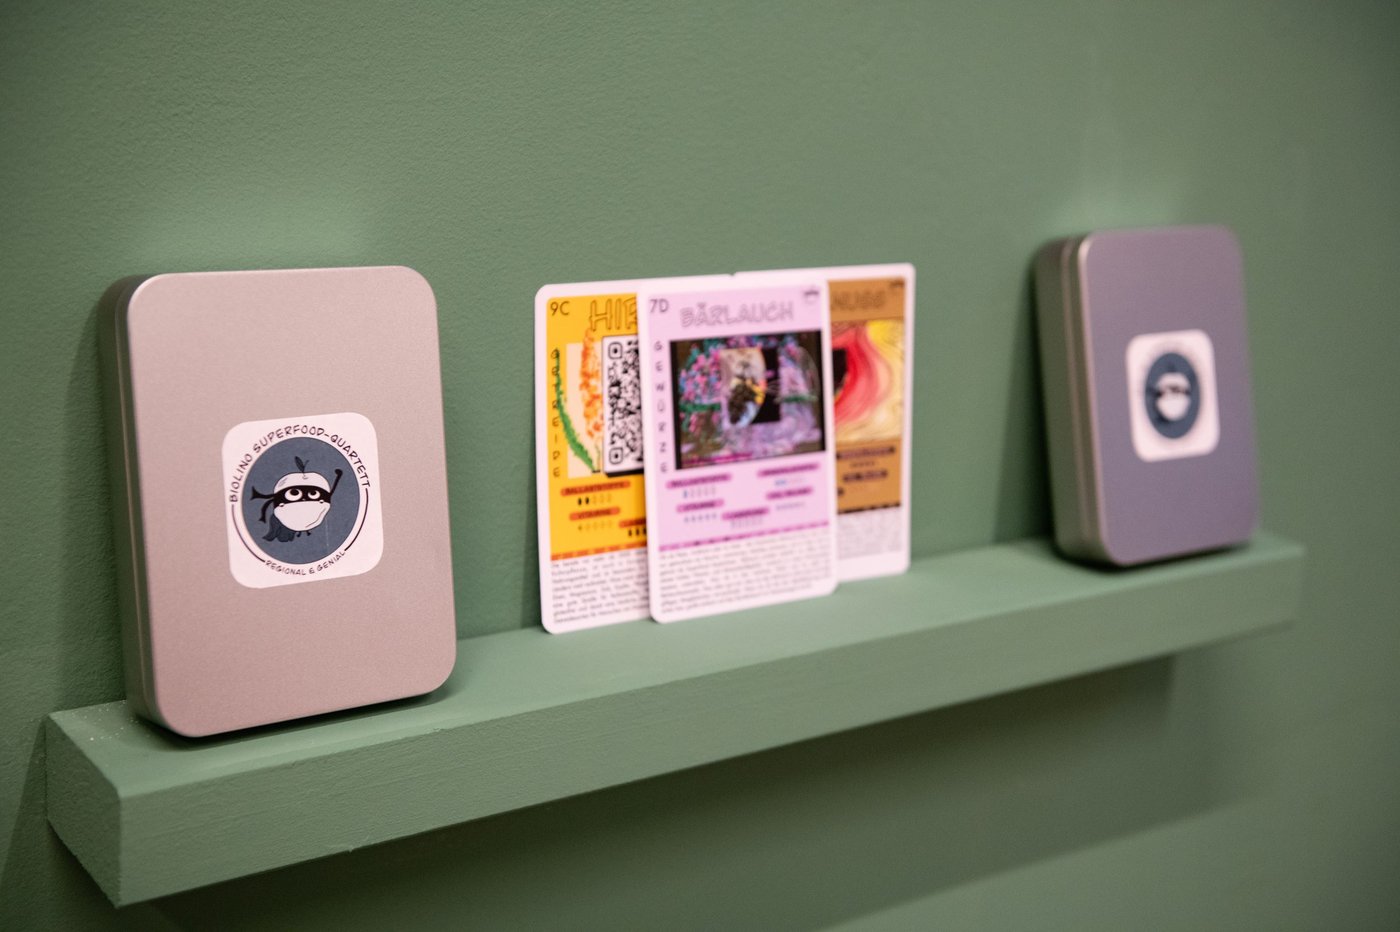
<point x="622" y="406"/>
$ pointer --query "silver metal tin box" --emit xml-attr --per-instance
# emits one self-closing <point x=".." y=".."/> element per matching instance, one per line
<point x="280" y="492"/>
<point x="1147" y="393"/>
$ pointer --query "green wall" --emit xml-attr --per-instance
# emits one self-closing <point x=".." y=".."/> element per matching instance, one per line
<point x="499" y="147"/>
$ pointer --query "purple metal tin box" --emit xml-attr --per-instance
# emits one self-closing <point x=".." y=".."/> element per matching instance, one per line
<point x="1147" y="394"/>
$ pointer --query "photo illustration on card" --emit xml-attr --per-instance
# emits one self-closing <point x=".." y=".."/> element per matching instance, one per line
<point x="746" y="397"/>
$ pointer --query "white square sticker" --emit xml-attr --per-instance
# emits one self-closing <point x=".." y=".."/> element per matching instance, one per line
<point x="301" y="499"/>
<point x="1171" y="395"/>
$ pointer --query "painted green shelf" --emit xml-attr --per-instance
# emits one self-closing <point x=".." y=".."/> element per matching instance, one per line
<point x="528" y="717"/>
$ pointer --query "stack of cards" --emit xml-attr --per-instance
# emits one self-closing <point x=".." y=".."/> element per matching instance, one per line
<point x="742" y="413"/>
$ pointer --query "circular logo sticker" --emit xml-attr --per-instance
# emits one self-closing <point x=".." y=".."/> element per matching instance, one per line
<point x="1173" y="404"/>
<point x="296" y="492"/>
<point x="1172" y="394"/>
<point x="302" y="499"/>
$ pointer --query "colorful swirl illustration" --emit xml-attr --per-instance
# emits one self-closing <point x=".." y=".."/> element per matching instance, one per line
<point x="869" y="394"/>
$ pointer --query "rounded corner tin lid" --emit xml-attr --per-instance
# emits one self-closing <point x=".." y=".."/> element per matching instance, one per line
<point x="1194" y="250"/>
<point x="1164" y="312"/>
<point x="400" y="282"/>
<point x="304" y="599"/>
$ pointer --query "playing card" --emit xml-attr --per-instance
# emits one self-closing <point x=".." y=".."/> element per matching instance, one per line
<point x="588" y="433"/>
<point x="738" y="424"/>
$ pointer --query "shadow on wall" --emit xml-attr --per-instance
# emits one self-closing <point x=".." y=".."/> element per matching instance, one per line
<point x="86" y="657"/>
<point x="482" y="557"/>
<point x="802" y="836"/>
<point x="90" y="663"/>
<point x="1023" y="495"/>
<point x="530" y="574"/>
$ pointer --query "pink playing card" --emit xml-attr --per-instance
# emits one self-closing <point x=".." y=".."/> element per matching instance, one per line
<point x="740" y="480"/>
